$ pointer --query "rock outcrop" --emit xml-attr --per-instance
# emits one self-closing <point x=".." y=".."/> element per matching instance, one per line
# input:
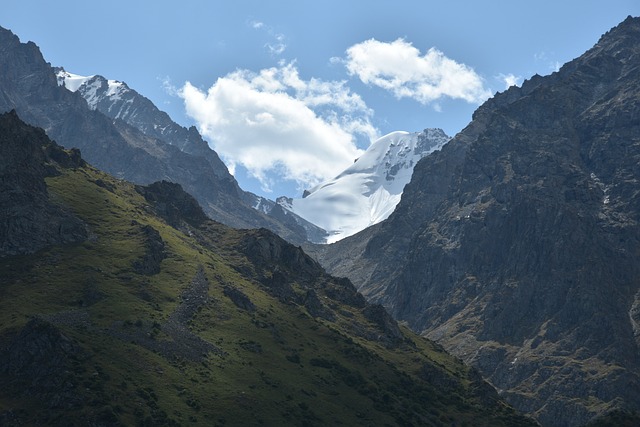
<point x="30" y="220"/>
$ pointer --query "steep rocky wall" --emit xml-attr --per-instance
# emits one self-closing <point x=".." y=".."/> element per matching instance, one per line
<point x="517" y="245"/>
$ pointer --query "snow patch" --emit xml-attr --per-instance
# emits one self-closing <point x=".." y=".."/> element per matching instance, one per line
<point x="116" y="89"/>
<point x="71" y="81"/>
<point x="93" y="88"/>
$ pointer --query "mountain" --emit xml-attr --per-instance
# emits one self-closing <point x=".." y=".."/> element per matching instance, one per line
<point x="516" y="245"/>
<point x="158" y="150"/>
<point x="118" y="101"/>
<point x="152" y="314"/>
<point x="368" y="190"/>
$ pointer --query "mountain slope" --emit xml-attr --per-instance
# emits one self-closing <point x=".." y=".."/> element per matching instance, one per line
<point x="368" y="190"/>
<point x="163" y="317"/>
<point x="29" y="85"/>
<point x="116" y="100"/>
<point x="516" y="246"/>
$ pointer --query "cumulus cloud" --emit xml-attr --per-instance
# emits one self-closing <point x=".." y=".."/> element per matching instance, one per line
<point x="401" y="69"/>
<point x="275" y="121"/>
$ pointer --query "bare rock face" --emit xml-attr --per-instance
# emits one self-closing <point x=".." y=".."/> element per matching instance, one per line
<point x="28" y="219"/>
<point x="173" y="204"/>
<point x="516" y="246"/>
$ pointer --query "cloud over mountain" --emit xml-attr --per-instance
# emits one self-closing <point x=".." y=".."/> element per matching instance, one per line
<point x="273" y="120"/>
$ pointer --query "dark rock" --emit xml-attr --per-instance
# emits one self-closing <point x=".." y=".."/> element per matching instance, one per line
<point x="39" y="362"/>
<point x="316" y="308"/>
<point x="391" y="333"/>
<point x="28" y="219"/>
<point x="279" y="285"/>
<point x="106" y="185"/>
<point x="173" y="204"/>
<point x="239" y="298"/>
<point x="154" y="252"/>
<point x="265" y="248"/>
<point x="341" y="289"/>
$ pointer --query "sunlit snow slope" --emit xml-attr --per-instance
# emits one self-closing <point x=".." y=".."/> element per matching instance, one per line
<point x="93" y="88"/>
<point x="368" y="191"/>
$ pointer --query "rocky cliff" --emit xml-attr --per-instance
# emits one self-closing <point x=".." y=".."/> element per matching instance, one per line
<point x="517" y="245"/>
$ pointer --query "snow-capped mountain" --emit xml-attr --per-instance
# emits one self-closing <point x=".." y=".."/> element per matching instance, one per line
<point x="368" y="191"/>
<point x="116" y="100"/>
<point x="93" y="88"/>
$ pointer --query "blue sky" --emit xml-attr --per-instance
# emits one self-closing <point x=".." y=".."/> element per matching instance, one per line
<point x="290" y="92"/>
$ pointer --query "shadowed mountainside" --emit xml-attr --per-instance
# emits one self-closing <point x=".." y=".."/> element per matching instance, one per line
<point x="516" y="246"/>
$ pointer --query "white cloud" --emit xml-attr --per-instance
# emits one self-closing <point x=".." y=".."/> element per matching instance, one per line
<point x="510" y="80"/>
<point x="401" y="69"/>
<point x="274" y="121"/>
<point x="168" y="86"/>
<point x="277" y="45"/>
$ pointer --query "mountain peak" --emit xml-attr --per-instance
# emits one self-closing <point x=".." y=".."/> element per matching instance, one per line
<point x="94" y="89"/>
<point x="369" y="189"/>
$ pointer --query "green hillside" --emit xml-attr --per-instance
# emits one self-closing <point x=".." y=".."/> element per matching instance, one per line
<point x="162" y="317"/>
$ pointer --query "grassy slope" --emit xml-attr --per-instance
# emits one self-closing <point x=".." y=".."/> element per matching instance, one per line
<point x="278" y="364"/>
